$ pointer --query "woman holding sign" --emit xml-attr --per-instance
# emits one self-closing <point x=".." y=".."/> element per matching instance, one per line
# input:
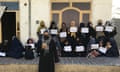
<point x="53" y="29"/>
<point x="72" y="36"/>
<point x="63" y="34"/>
<point x="110" y="31"/>
<point x="100" y="31"/>
<point x="66" y="49"/>
<point x="97" y="50"/>
<point x="83" y="34"/>
<point x="80" y="49"/>
<point x="41" y="29"/>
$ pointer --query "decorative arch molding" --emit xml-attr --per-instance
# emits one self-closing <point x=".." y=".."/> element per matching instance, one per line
<point x="68" y="8"/>
<point x="59" y="13"/>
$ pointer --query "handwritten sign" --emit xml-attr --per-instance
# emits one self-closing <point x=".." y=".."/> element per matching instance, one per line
<point x="109" y="28"/>
<point x="94" y="46"/>
<point x="99" y="28"/>
<point x="73" y="29"/>
<point x="80" y="49"/>
<point x="84" y="30"/>
<point x="42" y="30"/>
<point x="103" y="50"/>
<point x="63" y="34"/>
<point x="54" y="31"/>
<point x="32" y="45"/>
<point x="67" y="48"/>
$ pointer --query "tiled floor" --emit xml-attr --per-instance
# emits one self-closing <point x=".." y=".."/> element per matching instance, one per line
<point x="105" y="61"/>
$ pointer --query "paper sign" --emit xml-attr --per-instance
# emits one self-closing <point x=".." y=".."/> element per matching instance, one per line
<point x="54" y="31"/>
<point x="85" y="30"/>
<point x="42" y="30"/>
<point x="109" y="28"/>
<point x="99" y="28"/>
<point x="63" y="34"/>
<point x="80" y="49"/>
<point x="67" y="48"/>
<point x="103" y="50"/>
<point x="32" y="45"/>
<point x="94" y="46"/>
<point x="73" y="29"/>
<point x="2" y="54"/>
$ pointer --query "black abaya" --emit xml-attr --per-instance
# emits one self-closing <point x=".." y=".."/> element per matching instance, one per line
<point x="48" y="59"/>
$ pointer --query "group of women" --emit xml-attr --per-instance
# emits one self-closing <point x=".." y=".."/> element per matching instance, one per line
<point x="83" y="40"/>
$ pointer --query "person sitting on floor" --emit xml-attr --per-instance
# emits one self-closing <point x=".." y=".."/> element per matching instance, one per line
<point x="30" y="42"/>
<point x="66" y="50"/>
<point x="16" y="49"/>
<point x="112" y="51"/>
<point x="30" y="52"/>
<point x="97" y="52"/>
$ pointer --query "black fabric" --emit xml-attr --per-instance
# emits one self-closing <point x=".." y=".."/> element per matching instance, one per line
<point x="110" y="34"/>
<point x="81" y="54"/>
<point x="84" y="38"/>
<point x="16" y="49"/>
<point x="29" y="53"/>
<point x="113" y="51"/>
<point x="92" y="32"/>
<point x="47" y="60"/>
<point x="64" y="53"/>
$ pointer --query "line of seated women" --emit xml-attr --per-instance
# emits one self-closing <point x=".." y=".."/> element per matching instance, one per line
<point x="17" y="50"/>
<point x="77" y="41"/>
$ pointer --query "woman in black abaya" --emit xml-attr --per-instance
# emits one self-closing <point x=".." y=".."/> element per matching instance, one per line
<point x="48" y="54"/>
<point x="16" y="49"/>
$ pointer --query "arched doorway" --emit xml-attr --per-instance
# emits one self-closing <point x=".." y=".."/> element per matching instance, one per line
<point x="66" y="11"/>
<point x="70" y="15"/>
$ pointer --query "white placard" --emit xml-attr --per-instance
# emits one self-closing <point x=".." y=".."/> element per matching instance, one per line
<point x="84" y="30"/>
<point x="73" y="29"/>
<point x="2" y="54"/>
<point x="94" y="46"/>
<point x="42" y="30"/>
<point x="103" y="50"/>
<point x="67" y="48"/>
<point x="80" y="49"/>
<point x="99" y="28"/>
<point x="32" y="45"/>
<point x="54" y="31"/>
<point x="109" y="28"/>
<point x="63" y="34"/>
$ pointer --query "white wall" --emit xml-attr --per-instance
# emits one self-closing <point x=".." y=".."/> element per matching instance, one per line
<point x="24" y="30"/>
<point x="101" y="9"/>
<point x="40" y="11"/>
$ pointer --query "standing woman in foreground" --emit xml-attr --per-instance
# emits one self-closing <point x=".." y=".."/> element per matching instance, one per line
<point x="48" y="54"/>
